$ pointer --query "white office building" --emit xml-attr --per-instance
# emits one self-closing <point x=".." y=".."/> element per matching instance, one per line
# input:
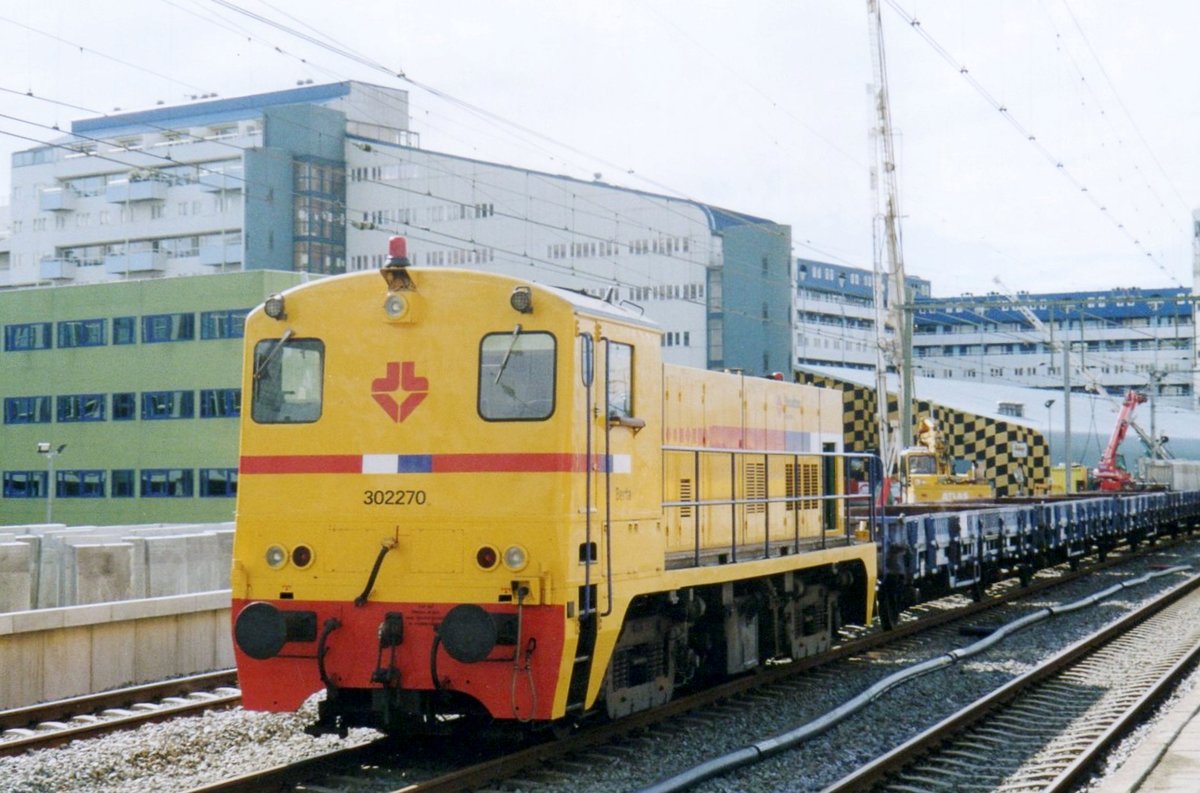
<point x="316" y="178"/>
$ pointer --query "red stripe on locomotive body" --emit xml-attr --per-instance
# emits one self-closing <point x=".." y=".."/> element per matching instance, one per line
<point x="509" y="463"/>
<point x="441" y="463"/>
<point x="283" y="683"/>
<point x="300" y="464"/>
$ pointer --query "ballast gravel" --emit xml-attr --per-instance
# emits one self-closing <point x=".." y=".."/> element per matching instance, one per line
<point x="176" y="755"/>
<point x="193" y="751"/>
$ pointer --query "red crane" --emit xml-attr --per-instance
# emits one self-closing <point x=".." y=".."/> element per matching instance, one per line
<point x="1109" y="475"/>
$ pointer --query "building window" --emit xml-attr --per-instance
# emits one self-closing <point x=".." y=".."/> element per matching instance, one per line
<point x="81" y="407"/>
<point x="220" y="403"/>
<point x="229" y="324"/>
<point x="218" y="482"/>
<point x="27" y="410"/>
<point x="124" y="329"/>
<point x="168" y="405"/>
<point x="83" y="333"/>
<point x="1015" y="409"/>
<point x="25" y="484"/>
<point x="124" y="406"/>
<point x="27" y="336"/>
<point x="167" y="482"/>
<point x="168" y="327"/>
<point x="79" y="484"/>
<point x="122" y="483"/>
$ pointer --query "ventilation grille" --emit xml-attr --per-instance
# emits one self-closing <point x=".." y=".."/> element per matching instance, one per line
<point x="685" y="494"/>
<point x="756" y="488"/>
<point x="803" y="480"/>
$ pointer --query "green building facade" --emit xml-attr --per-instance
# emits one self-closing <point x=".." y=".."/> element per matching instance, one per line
<point x="121" y="401"/>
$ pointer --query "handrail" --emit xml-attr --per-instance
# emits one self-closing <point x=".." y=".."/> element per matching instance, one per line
<point x="697" y="504"/>
<point x="608" y="572"/>
<point x="585" y="611"/>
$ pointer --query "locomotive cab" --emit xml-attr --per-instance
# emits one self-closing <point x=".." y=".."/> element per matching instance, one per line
<point x="417" y="529"/>
<point x="466" y="495"/>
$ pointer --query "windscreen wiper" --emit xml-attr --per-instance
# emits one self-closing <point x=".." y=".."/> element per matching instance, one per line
<point x="508" y="353"/>
<point x="258" y="370"/>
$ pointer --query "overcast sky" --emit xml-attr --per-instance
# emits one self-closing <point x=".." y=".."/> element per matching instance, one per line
<point x="756" y="106"/>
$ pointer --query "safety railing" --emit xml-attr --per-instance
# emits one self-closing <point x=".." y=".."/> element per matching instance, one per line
<point x="836" y="491"/>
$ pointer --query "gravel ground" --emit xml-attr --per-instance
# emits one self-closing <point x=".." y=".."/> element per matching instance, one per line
<point x="189" y="752"/>
<point x="174" y="755"/>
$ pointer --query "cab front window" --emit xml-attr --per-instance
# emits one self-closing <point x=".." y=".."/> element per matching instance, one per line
<point x="287" y="381"/>
<point x="516" y="376"/>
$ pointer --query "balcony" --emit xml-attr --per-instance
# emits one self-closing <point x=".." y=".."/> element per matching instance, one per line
<point x="136" y="262"/>
<point x="57" y="199"/>
<point x="217" y="254"/>
<point x="51" y="269"/>
<point x="231" y="179"/>
<point x="130" y="192"/>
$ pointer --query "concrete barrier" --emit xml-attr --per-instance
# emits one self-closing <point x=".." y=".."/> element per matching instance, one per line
<point x="63" y="652"/>
<point x="98" y="573"/>
<point x="119" y="563"/>
<point x="16" y="577"/>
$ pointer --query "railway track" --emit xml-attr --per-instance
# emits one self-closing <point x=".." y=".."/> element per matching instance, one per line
<point x="551" y="763"/>
<point x="54" y="723"/>
<point x="1047" y="728"/>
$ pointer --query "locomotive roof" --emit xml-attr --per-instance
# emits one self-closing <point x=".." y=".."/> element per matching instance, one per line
<point x="594" y="306"/>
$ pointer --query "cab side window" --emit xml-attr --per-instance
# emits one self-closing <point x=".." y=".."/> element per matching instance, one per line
<point x="620" y="380"/>
<point x="287" y="381"/>
<point x="516" y="376"/>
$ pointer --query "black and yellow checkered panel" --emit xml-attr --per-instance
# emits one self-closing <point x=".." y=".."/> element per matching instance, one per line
<point x="1014" y="458"/>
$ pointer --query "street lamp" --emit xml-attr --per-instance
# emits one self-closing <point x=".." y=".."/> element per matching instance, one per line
<point x="842" y="300"/>
<point x="45" y="448"/>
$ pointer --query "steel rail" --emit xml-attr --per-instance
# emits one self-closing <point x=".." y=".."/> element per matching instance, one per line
<point x="105" y="725"/>
<point x="284" y="776"/>
<point x="941" y="733"/>
<point x="65" y="709"/>
<point x="494" y="770"/>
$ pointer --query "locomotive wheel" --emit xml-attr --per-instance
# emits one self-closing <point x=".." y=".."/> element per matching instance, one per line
<point x="890" y="604"/>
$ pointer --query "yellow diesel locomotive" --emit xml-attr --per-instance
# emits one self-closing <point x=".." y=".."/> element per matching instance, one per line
<point x="466" y="496"/>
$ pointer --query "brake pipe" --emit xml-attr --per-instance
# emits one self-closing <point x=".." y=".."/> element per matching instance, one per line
<point x="760" y="750"/>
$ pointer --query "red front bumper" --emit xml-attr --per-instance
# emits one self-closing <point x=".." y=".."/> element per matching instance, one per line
<point x="517" y="679"/>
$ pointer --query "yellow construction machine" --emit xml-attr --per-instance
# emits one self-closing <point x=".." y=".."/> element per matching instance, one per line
<point x="927" y="475"/>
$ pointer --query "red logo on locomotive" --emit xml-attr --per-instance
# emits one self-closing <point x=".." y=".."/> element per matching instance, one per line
<point x="401" y="376"/>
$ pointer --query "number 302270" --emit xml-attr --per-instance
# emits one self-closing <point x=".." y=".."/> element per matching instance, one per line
<point x="394" y="498"/>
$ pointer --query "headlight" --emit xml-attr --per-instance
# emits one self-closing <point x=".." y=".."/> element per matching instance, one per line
<point x="515" y="558"/>
<point x="521" y="299"/>
<point x="274" y="307"/>
<point x="302" y="556"/>
<point x="277" y="556"/>
<point x="395" y="306"/>
<point x="486" y="557"/>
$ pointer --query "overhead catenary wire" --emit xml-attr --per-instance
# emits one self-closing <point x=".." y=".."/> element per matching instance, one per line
<point x="330" y="45"/>
<point x="1183" y="203"/>
<point x="1057" y="162"/>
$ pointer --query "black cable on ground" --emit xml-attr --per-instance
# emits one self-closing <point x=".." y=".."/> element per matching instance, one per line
<point x="790" y="739"/>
